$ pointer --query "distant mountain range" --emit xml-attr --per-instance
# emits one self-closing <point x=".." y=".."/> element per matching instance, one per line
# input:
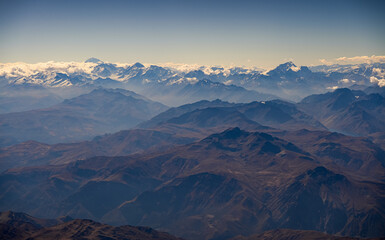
<point x="19" y="98"/>
<point x="193" y="84"/>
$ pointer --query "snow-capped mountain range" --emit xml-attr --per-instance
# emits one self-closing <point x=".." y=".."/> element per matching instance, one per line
<point x="59" y="74"/>
<point x="287" y="80"/>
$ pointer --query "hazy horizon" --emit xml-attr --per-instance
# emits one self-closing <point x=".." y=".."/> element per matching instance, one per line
<point x="242" y="33"/>
<point x="343" y="61"/>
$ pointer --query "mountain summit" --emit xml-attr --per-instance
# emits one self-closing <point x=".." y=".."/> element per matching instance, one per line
<point x="94" y="60"/>
<point x="285" y="67"/>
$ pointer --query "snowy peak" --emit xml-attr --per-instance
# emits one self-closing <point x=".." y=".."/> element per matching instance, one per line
<point x="94" y="60"/>
<point x="286" y="67"/>
<point x="287" y="64"/>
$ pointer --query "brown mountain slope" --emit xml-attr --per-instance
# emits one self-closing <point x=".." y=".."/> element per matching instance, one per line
<point x="17" y="225"/>
<point x="16" y="218"/>
<point x="356" y="156"/>
<point x="21" y="226"/>
<point x="88" y="229"/>
<point x="216" y="206"/>
<point x="227" y="184"/>
<point x="280" y="234"/>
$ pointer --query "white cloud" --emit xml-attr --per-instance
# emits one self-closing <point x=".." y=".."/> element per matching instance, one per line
<point x="379" y="81"/>
<point x="124" y="65"/>
<point x="182" y="67"/>
<point x="26" y="69"/>
<point x="354" y="60"/>
<point x="207" y="69"/>
<point x="288" y="60"/>
<point x="378" y="72"/>
<point x="362" y="59"/>
<point x="325" y="62"/>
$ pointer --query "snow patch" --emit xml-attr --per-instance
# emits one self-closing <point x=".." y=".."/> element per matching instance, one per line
<point x="295" y="69"/>
<point x="345" y="80"/>
<point x="192" y="80"/>
<point x="332" y="88"/>
<point x="228" y="82"/>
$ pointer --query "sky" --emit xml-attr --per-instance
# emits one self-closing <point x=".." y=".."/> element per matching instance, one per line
<point x="231" y="33"/>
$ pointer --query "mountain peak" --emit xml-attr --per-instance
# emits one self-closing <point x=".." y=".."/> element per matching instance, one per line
<point x="138" y="65"/>
<point x="289" y="63"/>
<point x="94" y="60"/>
<point x="342" y="90"/>
<point x="286" y="67"/>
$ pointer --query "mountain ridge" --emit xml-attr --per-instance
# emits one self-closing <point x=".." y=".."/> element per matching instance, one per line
<point x="88" y="115"/>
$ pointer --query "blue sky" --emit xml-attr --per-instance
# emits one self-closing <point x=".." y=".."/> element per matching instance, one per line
<point x="249" y="33"/>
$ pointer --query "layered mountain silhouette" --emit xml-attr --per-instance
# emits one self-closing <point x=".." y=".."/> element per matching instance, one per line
<point x="275" y="113"/>
<point x="206" y="89"/>
<point x="348" y="111"/>
<point x="80" y="118"/>
<point x="228" y="184"/>
<point x="180" y="125"/>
